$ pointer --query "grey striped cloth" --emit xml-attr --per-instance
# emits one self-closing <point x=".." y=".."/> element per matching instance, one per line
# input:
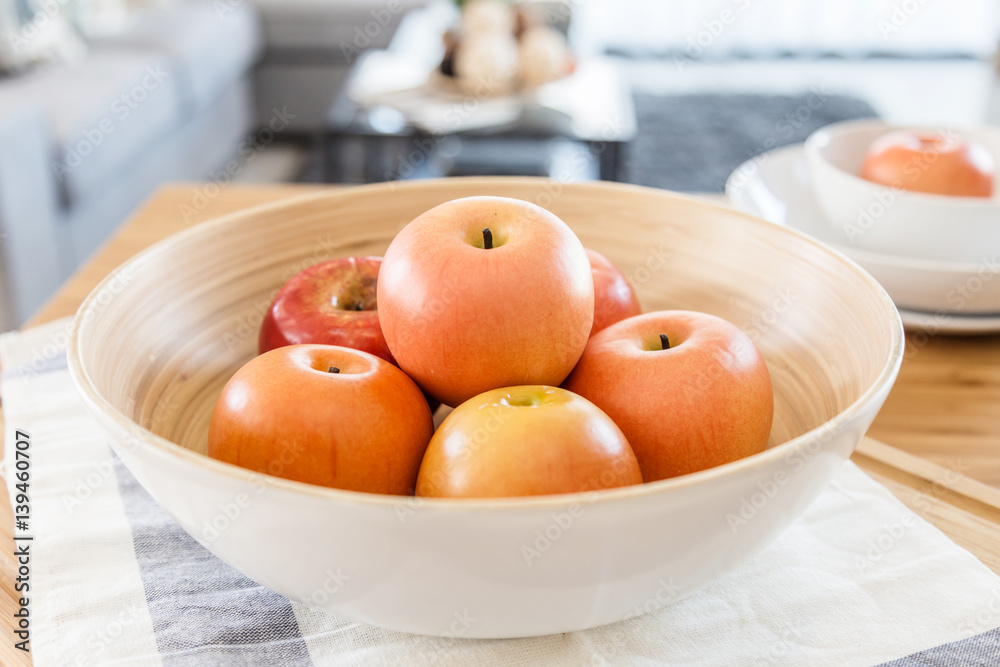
<point x="858" y="580"/>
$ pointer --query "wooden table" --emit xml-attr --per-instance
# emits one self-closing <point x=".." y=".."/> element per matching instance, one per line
<point x="942" y="417"/>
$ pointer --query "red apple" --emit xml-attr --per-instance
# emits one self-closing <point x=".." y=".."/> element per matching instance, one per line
<point x="526" y="441"/>
<point x="331" y="303"/>
<point x="485" y="292"/>
<point x="689" y="390"/>
<point x="614" y="298"/>
<point x="325" y="415"/>
<point x="935" y="164"/>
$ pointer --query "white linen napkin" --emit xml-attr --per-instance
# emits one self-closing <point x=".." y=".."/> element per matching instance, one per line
<point x="858" y="580"/>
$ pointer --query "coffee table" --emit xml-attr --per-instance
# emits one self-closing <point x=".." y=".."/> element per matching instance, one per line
<point x="395" y="100"/>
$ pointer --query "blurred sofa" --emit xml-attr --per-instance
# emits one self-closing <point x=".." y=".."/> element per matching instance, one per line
<point x="171" y="98"/>
<point x="84" y="143"/>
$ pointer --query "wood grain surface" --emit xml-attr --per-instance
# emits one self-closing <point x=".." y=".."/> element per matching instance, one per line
<point x="942" y="418"/>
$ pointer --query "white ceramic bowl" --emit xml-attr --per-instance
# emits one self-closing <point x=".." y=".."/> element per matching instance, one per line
<point x="157" y="340"/>
<point x="894" y="221"/>
<point x="778" y="187"/>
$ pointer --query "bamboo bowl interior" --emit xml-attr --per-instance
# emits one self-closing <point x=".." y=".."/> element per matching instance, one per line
<point x="184" y="315"/>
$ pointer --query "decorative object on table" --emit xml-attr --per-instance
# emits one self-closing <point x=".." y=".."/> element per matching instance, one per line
<point x="486" y="65"/>
<point x="398" y="96"/>
<point x="858" y="579"/>
<point x="893" y="220"/>
<point x="932" y="295"/>
<point x="543" y="57"/>
<point x="482" y="80"/>
<point x="390" y="95"/>
<point x="499" y="48"/>
<point x="691" y="255"/>
<point x="691" y="143"/>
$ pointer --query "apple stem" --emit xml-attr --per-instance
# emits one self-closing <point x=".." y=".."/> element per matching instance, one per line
<point x="664" y="342"/>
<point x="333" y="369"/>
<point x="487" y="238"/>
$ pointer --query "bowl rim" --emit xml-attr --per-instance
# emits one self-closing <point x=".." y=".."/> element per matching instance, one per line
<point x="845" y="128"/>
<point x="876" y="391"/>
<point x="860" y="255"/>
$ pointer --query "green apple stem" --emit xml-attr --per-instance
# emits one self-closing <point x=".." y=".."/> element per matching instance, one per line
<point x="664" y="342"/>
<point x="333" y="369"/>
<point x="487" y="238"/>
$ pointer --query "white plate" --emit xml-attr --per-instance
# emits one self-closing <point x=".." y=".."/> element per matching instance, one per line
<point x="947" y="323"/>
<point x="950" y="297"/>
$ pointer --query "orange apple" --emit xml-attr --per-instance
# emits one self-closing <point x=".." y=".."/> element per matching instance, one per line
<point x="526" y="441"/>
<point x="325" y="415"/>
<point x="935" y="164"/>
<point x="614" y="298"/>
<point x="485" y="292"/>
<point x="689" y="390"/>
<point x="330" y="303"/>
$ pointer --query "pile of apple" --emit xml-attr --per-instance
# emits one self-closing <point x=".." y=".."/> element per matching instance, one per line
<point x="492" y="306"/>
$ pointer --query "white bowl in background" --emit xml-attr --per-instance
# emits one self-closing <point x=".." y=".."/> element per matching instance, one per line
<point x="889" y="220"/>
<point x="778" y="186"/>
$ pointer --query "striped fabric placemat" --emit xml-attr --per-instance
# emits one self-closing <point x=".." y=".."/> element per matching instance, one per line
<point x="858" y="580"/>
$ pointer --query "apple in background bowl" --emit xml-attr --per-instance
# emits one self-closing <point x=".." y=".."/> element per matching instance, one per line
<point x="689" y="390"/>
<point x="526" y="441"/>
<point x="325" y="415"/>
<point x="930" y="163"/>
<point x="331" y="303"/>
<point x="485" y="292"/>
<point x="614" y="298"/>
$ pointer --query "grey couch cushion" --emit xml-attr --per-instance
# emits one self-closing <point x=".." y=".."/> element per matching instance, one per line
<point x="208" y="44"/>
<point x="31" y="267"/>
<point x="196" y="150"/>
<point x="102" y="111"/>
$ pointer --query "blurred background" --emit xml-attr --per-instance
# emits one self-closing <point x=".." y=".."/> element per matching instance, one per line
<point x="103" y="101"/>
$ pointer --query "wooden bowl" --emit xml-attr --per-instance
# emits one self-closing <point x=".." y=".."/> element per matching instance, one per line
<point x="156" y="341"/>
